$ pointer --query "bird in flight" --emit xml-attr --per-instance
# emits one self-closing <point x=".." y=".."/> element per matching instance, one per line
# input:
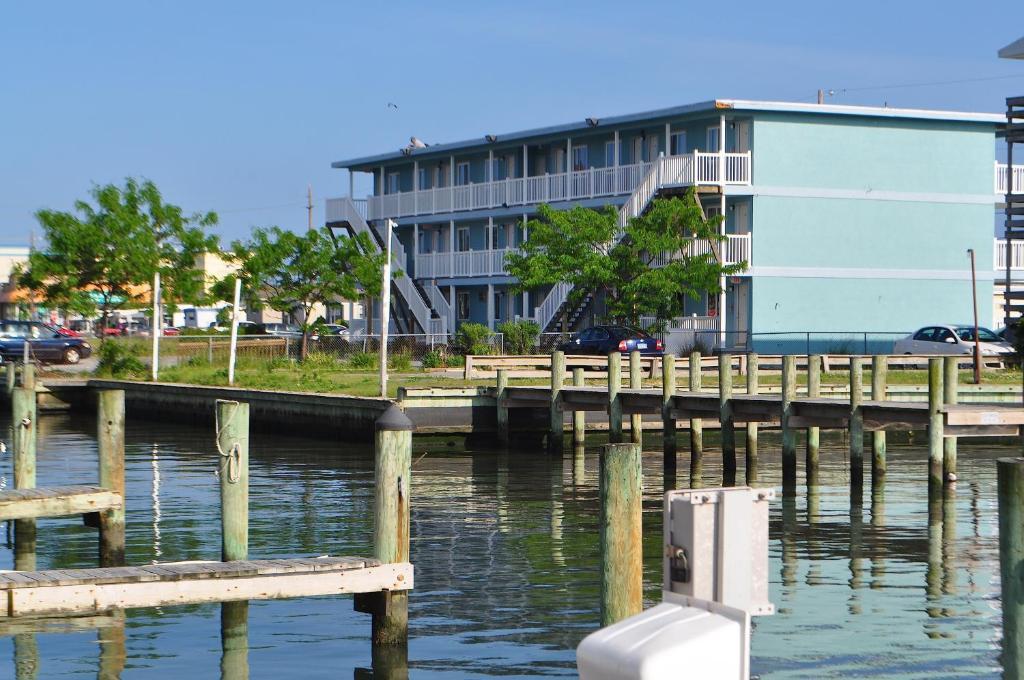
<point x="392" y="105"/>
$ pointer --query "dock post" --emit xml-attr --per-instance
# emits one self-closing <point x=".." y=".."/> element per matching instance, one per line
<point x="233" y="446"/>
<point x="621" y="533"/>
<point x="696" y="426"/>
<point x="28" y="376"/>
<point x="788" y="433"/>
<point x="579" y="418"/>
<point x="393" y="470"/>
<point x="556" y="426"/>
<point x="950" y="383"/>
<point x="751" y="449"/>
<point x="636" y="424"/>
<point x="110" y="442"/>
<point x="813" y="433"/>
<point x="668" y="422"/>
<point x="502" y="409"/>
<point x="856" y="422"/>
<point x="725" y="419"/>
<point x="12" y="379"/>
<point x="935" y="426"/>
<point x="614" y="400"/>
<point x="1010" y="492"/>
<point x="25" y="426"/>
<point x="879" y="378"/>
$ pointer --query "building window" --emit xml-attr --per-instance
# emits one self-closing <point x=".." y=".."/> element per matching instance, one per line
<point x="462" y="174"/>
<point x="462" y="239"/>
<point x="393" y="179"/>
<point x="440" y="176"/>
<point x="678" y="143"/>
<point x="609" y="154"/>
<point x="652" y="147"/>
<point x="424" y="179"/>
<point x="462" y="306"/>
<point x="713" y="139"/>
<point x="580" y="157"/>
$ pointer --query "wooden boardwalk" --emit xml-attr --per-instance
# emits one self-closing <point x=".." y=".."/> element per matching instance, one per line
<point x="89" y="591"/>
<point x="57" y="501"/>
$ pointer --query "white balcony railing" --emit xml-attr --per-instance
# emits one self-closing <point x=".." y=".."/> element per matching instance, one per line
<point x="733" y="250"/>
<point x="467" y="263"/>
<point x="1016" y="255"/>
<point x="1018" y="179"/>
<point x="689" y="169"/>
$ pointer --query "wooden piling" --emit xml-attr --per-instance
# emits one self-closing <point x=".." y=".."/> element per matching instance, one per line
<point x="636" y="423"/>
<point x="788" y="432"/>
<point x="950" y="385"/>
<point x="28" y="376"/>
<point x="935" y="426"/>
<point x="26" y="656"/>
<point x="12" y="379"/>
<point x="696" y="426"/>
<point x="614" y="400"/>
<point x="233" y="445"/>
<point x="726" y="419"/>
<point x="1010" y="493"/>
<point x="621" y="533"/>
<point x="579" y="418"/>
<point x="393" y="470"/>
<point x="751" y="448"/>
<point x="24" y="425"/>
<point x="556" y="423"/>
<point x="879" y="378"/>
<point x="668" y="422"/>
<point x="856" y="422"/>
<point x="502" y="408"/>
<point x="110" y="442"/>
<point x="813" y="433"/>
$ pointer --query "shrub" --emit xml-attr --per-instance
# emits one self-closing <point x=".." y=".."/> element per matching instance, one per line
<point x="364" y="360"/>
<point x="473" y="338"/>
<point x="435" y="358"/>
<point x="520" y="336"/>
<point x="320" y="360"/>
<point x="698" y="345"/>
<point x="400" y="362"/>
<point x="117" y="361"/>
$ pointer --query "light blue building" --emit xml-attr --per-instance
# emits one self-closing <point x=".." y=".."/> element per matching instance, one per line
<point x="850" y="218"/>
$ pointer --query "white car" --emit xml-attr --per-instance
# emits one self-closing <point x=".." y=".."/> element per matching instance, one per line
<point x="952" y="339"/>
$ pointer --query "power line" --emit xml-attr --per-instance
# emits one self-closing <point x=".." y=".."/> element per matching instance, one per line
<point x="929" y="84"/>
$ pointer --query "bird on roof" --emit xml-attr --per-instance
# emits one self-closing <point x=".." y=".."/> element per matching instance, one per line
<point x="416" y="143"/>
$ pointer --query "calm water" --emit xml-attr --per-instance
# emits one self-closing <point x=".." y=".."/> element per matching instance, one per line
<point x="506" y="553"/>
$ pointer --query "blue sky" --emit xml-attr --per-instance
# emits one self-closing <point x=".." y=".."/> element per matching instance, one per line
<point x="236" y="107"/>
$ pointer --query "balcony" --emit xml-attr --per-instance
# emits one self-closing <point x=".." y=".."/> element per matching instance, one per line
<point x="733" y="250"/>
<point x="1016" y="256"/>
<point x="687" y="169"/>
<point x="1001" y="177"/>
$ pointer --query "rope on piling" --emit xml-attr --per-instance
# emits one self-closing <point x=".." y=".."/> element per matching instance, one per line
<point x="234" y="453"/>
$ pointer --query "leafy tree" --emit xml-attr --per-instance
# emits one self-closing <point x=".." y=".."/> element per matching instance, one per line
<point x="103" y="254"/>
<point x="292" y="272"/>
<point x="582" y="247"/>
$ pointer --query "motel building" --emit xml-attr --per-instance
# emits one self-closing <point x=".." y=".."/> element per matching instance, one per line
<point x="848" y="218"/>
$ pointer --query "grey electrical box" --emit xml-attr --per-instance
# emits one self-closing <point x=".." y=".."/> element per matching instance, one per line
<point x="716" y="546"/>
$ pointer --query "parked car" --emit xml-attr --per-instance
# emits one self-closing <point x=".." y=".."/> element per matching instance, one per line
<point x="1008" y="333"/>
<point x="952" y="339"/>
<point x="285" y="329"/>
<point x="44" y="342"/>
<point x="171" y="331"/>
<point x="335" y="329"/>
<point x="603" y="340"/>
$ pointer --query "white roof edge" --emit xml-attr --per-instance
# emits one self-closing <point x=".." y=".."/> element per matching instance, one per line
<point x="875" y="111"/>
<point x="1014" y="50"/>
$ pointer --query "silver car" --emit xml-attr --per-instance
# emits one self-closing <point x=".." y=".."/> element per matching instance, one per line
<point x="952" y="339"/>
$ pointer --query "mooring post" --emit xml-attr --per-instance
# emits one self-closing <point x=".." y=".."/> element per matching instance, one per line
<point x="879" y="379"/>
<point x="621" y="533"/>
<point x="813" y="433"/>
<point x="393" y="470"/>
<point x="950" y="385"/>
<point x="28" y="376"/>
<point x="636" y="424"/>
<point x="502" y="408"/>
<point x="788" y="432"/>
<point x="614" y="400"/>
<point x="935" y="426"/>
<point x="556" y="426"/>
<point x="668" y="421"/>
<point x="24" y="425"/>
<point x="110" y="443"/>
<point x="1010" y="491"/>
<point x="856" y="422"/>
<point x="12" y="378"/>
<point x="233" y="445"/>
<point x="579" y="418"/>
<point x="696" y="426"/>
<point x="725" y="419"/>
<point x="751" y="449"/>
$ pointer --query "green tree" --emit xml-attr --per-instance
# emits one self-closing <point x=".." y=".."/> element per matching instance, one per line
<point x="291" y="272"/>
<point x="103" y="254"/>
<point x="582" y="247"/>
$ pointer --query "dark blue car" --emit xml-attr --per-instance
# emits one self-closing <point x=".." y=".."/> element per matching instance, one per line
<point x="45" y="343"/>
<point x="604" y="340"/>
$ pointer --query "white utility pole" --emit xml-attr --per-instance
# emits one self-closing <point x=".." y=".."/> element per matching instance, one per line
<point x="233" y="352"/>
<point x="156" y="325"/>
<point x="385" y="309"/>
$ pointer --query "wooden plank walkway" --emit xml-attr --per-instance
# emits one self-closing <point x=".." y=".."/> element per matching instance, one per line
<point x="83" y="591"/>
<point x="56" y="501"/>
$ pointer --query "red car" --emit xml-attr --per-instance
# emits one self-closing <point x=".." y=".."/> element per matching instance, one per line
<point x="171" y="330"/>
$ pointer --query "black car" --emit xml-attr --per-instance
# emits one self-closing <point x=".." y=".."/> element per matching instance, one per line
<point x="603" y="340"/>
<point x="45" y="343"/>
